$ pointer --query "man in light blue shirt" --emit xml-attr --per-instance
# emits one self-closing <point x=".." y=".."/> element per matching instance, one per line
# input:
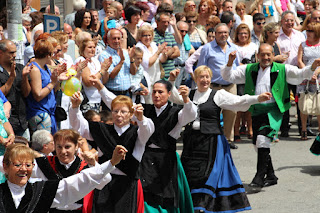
<point x="215" y="55"/>
<point x="121" y="67"/>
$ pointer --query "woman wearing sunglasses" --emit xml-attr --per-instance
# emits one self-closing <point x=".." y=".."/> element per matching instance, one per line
<point x="197" y="36"/>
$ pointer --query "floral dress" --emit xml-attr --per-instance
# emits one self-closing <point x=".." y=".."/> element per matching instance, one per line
<point x="3" y="133"/>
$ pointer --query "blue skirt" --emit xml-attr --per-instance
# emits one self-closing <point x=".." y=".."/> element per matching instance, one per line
<point x="223" y="191"/>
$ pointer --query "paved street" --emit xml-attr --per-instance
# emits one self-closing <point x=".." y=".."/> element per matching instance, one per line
<point x="298" y="170"/>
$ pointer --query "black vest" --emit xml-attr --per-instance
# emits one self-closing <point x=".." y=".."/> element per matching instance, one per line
<point x="107" y="138"/>
<point x="164" y="123"/>
<point x="209" y="115"/>
<point x="37" y="199"/>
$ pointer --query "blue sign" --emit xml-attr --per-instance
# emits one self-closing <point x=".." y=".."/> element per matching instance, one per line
<point x="51" y="23"/>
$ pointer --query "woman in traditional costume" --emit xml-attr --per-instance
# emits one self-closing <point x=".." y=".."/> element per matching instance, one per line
<point x="212" y="176"/>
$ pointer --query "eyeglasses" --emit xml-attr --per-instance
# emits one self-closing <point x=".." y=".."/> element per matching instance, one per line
<point x="193" y="5"/>
<point x="146" y="36"/>
<point x="122" y="112"/>
<point x="28" y="166"/>
<point x="310" y="31"/>
<point x="183" y="31"/>
<point x="193" y="21"/>
<point x="261" y="23"/>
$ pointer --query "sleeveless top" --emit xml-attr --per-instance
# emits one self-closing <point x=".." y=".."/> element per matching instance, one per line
<point x="130" y="39"/>
<point x="47" y="104"/>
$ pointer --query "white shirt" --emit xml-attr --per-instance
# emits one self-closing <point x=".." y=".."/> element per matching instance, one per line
<point x="294" y="75"/>
<point x="94" y="67"/>
<point x="70" y="189"/>
<point x="145" y="130"/>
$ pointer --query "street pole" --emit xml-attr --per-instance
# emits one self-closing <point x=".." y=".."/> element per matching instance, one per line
<point x="52" y="9"/>
<point x="15" y="34"/>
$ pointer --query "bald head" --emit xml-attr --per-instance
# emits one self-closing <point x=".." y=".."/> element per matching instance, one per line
<point x="8" y="52"/>
<point x="264" y="46"/>
<point x="68" y="30"/>
<point x="168" y="2"/>
<point x="4" y="43"/>
<point x="56" y="10"/>
<point x="315" y="16"/>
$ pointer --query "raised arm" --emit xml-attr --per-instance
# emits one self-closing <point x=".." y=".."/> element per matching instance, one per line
<point x="75" y="187"/>
<point x="226" y="100"/>
<point x="146" y="129"/>
<point x="237" y="76"/>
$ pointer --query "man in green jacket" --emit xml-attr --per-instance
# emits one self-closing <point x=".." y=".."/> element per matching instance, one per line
<point x="267" y="76"/>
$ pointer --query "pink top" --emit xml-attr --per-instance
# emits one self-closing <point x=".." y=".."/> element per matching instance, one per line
<point x="284" y="5"/>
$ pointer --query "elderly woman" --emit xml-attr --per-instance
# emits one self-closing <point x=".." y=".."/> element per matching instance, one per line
<point x="82" y="20"/>
<point x="206" y="156"/>
<point x="307" y="53"/>
<point x="87" y="52"/>
<point x="206" y="8"/>
<point x="270" y="34"/>
<point x="152" y="54"/>
<point x="247" y="51"/>
<point x="130" y="31"/>
<point x="26" y="23"/>
<point x="123" y="194"/>
<point x="189" y="6"/>
<point x="241" y="11"/>
<point x="197" y="36"/>
<point x="19" y="194"/>
<point x="41" y="101"/>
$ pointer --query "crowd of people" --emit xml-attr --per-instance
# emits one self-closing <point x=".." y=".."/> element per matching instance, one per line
<point x="150" y="77"/>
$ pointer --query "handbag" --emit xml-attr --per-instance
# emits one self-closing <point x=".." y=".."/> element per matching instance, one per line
<point x="60" y="114"/>
<point x="309" y="102"/>
<point x="315" y="147"/>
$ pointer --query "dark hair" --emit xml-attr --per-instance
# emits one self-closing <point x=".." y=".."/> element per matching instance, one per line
<point x="21" y="140"/>
<point x="257" y="17"/>
<point x="90" y="114"/>
<point x="167" y="84"/>
<point x="165" y="7"/>
<point x="226" y="17"/>
<point x="37" y="18"/>
<point x="78" y="18"/>
<point x="142" y="6"/>
<point x="224" y="3"/>
<point x="180" y="16"/>
<point x="130" y="11"/>
<point x="210" y="30"/>
<point x="105" y="116"/>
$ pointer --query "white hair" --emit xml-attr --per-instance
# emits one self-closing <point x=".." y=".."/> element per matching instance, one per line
<point x="80" y="37"/>
<point x="26" y="17"/>
<point x="40" y="138"/>
<point x="79" y="4"/>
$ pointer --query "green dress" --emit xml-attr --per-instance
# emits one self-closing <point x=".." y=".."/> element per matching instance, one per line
<point x="3" y="133"/>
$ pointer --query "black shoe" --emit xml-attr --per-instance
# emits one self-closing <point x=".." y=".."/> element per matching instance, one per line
<point x="255" y="185"/>
<point x="233" y="146"/>
<point x="310" y="132"/>
<point x="284" y="134"/>
<point x="270" y="183"/>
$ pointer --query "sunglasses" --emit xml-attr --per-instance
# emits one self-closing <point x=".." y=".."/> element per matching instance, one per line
<point x="189" y="21"/>
<point x="183" y="31"/>
<point x="261" y="23"/>
<point x="310" y="31"/>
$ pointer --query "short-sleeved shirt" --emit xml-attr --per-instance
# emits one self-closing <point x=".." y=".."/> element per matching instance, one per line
<point x="122" y="81"/>
<point x="18" y="102"/>
<point x="160" y="38"/>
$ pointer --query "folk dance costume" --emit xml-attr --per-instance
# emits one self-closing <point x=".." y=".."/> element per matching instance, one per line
<point x="124" y="193"/>
<point x="39" y="197"/>
<point x="213" y="178"/>
<point x="53" y="169"/>
<point x="169" y="192"/>
<point x="267" y="116"/>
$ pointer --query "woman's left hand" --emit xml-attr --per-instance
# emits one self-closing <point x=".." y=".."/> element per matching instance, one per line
<point x="9" y="140"/>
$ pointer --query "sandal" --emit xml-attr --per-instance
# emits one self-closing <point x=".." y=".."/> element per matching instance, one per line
<point x="304" y="135"/>
<point x="237" y="138"/>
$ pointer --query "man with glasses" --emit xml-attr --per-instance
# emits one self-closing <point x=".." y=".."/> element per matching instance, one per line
<point x="15" y="86"/>
<point x="215" y="55"/>
<point x="258" y="23"/>
<point x="289" y="41"/>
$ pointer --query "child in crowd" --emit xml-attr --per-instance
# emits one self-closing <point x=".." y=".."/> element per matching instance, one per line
<point x="106" y="117"/>
<point x="137" y="89"/>
<point x="109" y="22"/>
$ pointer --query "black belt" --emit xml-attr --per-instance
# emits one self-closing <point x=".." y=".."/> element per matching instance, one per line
<point x="219" y="85"/>
<point x="123" y="92"/>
